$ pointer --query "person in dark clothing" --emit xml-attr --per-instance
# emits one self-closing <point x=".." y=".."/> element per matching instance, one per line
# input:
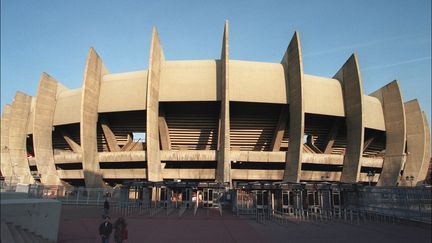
<point x="106" y="207"/>
<point x="105" y="230"/>
<point x="120" y="230"/>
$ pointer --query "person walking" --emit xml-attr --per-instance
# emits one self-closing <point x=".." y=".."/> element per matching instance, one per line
<point x="105" y="230"/>
<point x="120" y="230"/>
<point x="106" y="207"/>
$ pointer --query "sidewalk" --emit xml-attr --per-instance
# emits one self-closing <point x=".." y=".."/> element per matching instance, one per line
<point x="229" y="228"/>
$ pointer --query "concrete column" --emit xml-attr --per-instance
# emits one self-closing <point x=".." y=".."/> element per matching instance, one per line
<point x="156" y="62"/>
<point x="5" y="162"/>
<point x="331" y="137"/>
<point x="42" y="130"/>
<point x="394" y="117"/>
<point x="18" y="136"/>
<point x="416" y="129"/>
<point x="110" y="137"/>
<point x="280" y="129"/>
<point x="223" y="170"/>
<point x="94" y="71"/>
<point x="293" y="66"/>
<point x="164" y="132"/>
<point x="76" y="148"/>
<point x="427" y="153"/>
<point x="349" y="76"/>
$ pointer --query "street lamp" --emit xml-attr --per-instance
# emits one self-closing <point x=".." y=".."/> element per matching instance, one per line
<point x="370" y="176"/>
<point x="410" y="179"/>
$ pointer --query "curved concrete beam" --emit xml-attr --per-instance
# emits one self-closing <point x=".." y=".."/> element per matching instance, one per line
<point x="293" y="66"/>
<point x="93" y="74"/>
<point x="154" y="166"/>
<point x="223" y="171"/>
<point x="394" y="117"/>
<point x="349" y="76"/>
<point x="5" y="162"/>
<point x="42" y="130"/>
<point x="18" y="137"/>
<point x="416" y="129"/>
<point x="427" y="153"/>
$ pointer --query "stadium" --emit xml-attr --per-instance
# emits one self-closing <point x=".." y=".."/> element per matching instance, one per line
<point x="205" y="121"/>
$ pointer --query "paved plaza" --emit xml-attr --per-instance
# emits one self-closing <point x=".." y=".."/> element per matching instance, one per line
<point x="81" y="224"/>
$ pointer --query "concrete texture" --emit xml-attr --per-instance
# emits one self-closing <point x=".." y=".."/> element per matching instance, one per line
<point x="253" y="81"/>
<point x="349" y="76"/>
<point x="199" y="80"/>
<point x="17" y="138"/>
<point x="110" y="137"/>
<point x="123" y="92"/>
<point x="156" y="63"/>
<point x="223" y="170"/>
<point x="293" y="66"/>
<point x="416" y="143"/>
<point x="280" y="129"/>
<point x="373" y="115"/>
<point x="395" y="126"/>
<point x="40" y="216"/>
<point x="318" y="89"/>
<point x="93" y="74"/>
<point x="5" y="162"/>
<point x="68" y="107"/>
<point x="427" y="152"/>
<point x="42" y="130"/>
<point x="164" y="132"/>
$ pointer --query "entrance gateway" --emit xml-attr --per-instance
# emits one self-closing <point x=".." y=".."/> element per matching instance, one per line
<point x="170" y="194"/>
<point x="245" y="197"/>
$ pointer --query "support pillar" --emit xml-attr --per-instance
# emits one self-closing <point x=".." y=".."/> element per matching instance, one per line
<point x="42" y="130"/>
<point x="394" y="118"/>
<point x="164" y="132"/>
<point x="293" y="67"/>
<point x="94" y="71"/>
<point x="417" y="143"/>
<point x="156" y="62"/>
<point x="5" y="162"/>
<point x="17" y="138"/>
<point x="280" y="129"/>
<point x="331" y="137"/>
<point x="110" y="137"/>
<point x="223" y="170"/>
<point x="427" y="153"/>
<point x="349" y="76"/>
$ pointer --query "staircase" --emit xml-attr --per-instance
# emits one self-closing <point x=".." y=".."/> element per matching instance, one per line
<point x="11" y="233"/>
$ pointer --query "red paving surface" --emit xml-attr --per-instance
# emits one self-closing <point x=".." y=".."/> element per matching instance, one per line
<point x="79" y="225"/>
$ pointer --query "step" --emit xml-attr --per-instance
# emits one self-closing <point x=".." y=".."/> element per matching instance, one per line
<point x="15" y="233"/>
<point x="6" y="235"/>
<point x="26" y="235"/>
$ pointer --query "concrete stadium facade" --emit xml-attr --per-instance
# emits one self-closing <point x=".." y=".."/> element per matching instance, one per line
<point x="214" y="120"/>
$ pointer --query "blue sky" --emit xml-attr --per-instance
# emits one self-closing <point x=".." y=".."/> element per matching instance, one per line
<point x="392" y="38"/>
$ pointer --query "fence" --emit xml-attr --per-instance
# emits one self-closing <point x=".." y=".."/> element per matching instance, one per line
<point x="413" y="203"/>
<point x="364" y="204"/>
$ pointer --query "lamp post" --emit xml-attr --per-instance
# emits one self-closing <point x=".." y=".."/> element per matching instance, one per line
<point x="370" y="176"/>
<point x="410" y="179"/>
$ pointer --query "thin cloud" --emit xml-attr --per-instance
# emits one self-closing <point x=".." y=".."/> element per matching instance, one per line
<point x="396" y="64"/>
<point x="413" y="39"/>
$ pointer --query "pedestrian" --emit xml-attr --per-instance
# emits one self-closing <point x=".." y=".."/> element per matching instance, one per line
<point x="105" y="230"/>
<point x="120" y="230"/>
<point x="106" y="207"/>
